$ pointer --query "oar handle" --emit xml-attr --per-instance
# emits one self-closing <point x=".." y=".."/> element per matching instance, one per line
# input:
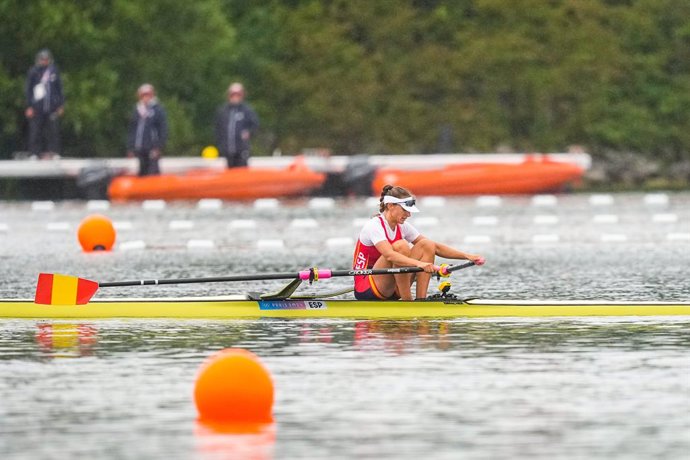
<point x="451" y="268"/>
<point x="325" y="273"/>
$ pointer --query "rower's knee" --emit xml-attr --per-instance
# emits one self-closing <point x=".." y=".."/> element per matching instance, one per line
<point x="427" y="246"/>
<point x="402" y="247"/>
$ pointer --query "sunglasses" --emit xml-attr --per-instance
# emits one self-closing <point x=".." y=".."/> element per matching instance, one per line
<point x="411" y="202"/>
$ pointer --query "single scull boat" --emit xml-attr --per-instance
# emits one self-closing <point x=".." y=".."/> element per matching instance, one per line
<point x="65" y="296"/>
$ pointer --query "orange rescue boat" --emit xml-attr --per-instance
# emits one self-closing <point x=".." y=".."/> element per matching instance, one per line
<point x="245" y="183"/>
<point x="534" y="175"/>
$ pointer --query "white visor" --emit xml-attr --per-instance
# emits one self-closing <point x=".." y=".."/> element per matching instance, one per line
<point x="408" y="204"/>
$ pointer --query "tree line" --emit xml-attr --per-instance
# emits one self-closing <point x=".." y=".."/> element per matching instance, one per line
<point x="362" y="76"/>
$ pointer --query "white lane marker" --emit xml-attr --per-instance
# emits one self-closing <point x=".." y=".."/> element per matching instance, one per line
<point x="614" y="238"/>
<point x="123" y="225"/>
<point x="605" y="219"/>
<point x="678" y="237"/>
<point x="340" y="242"/>
<point x="425" y="221"/>
<point x="372" y="202"/>
<point x="600" y="200"/>
<point x="475" y="239"/>
<point x="656" y="199"/>
<point x="153" y="205"/>
<point x="304" y="223"/>
<point x="485" y="220"/>
<point x="42" y="206"/>
<point x="135" y="245"/>
<point x="432" y="202"/>
<point x="181" y="224"/>
<point x="200" y="244"/>
<point x="545" y="219"/>
<point x="544" y="200"/>
<point x="270" y="245"/>
<point x="58" y="226"/>
<point x="98" y="205"/>
<point x="545" y="238"/>
<point x="322" y="203"/>
<point x="210" y="204"/>
<point x="242" y="224"/>
<point x="669" y="218"/>
<point x="266" y="203"/>
<point x="489" y="201"/>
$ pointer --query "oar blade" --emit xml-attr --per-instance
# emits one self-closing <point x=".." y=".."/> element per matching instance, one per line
<point x="57" y="289"/>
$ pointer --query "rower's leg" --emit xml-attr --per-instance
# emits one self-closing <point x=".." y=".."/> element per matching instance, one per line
<point x="424" y="251"/>
<point x="385" y="284"/>
<point x="388" y="285"/>
<point x="403" y="281"/>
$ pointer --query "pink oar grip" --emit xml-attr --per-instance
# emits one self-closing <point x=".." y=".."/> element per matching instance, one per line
<point x="323" y="274"/>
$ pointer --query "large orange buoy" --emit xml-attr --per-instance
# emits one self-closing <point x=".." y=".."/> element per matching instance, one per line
<point x="96" y="233"/>
<point x="234" y="387"/>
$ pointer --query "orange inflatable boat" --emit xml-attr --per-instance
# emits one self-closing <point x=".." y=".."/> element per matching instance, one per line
<point x="534" y="175"/>
<point x="230" y="184"/>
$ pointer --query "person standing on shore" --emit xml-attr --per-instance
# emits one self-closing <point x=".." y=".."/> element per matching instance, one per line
<point x="148" y="131"/>
<point x="45" y="104"/>
<point x="236" y="123"/>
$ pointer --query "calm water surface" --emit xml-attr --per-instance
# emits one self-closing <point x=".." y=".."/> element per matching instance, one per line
<point x="533" y="388"/>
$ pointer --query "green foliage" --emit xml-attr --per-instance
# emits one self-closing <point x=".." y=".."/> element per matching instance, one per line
<point x="105" y="50"/>
<point x="361" y="76"/>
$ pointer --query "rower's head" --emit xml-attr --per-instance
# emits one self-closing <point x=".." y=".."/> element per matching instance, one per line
<point x="393" y="197"/>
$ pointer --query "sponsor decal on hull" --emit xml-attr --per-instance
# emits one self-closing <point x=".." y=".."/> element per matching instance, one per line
<point x="292" y="305"/>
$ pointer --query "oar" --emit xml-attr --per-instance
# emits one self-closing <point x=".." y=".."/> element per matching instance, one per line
<point x="57" y="289"/>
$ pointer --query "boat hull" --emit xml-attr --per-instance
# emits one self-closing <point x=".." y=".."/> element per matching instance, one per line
<point x="234" y="307"/>
<point x="232" y="184"/>
<point x="531" y="176"/>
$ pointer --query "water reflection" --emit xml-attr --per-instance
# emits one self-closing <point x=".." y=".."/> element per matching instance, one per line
<point x="233" y="441"/>
<point x="281" y="336"/>
<point x="400" y="337"/>
<point x="60" y="340"/>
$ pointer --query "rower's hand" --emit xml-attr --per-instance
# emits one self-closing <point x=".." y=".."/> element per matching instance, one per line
<point x="429" y="267"/>
<point x="478" y="260"/>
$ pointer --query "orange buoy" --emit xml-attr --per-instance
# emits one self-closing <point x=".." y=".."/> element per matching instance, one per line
<point x="96" y="233"/>
<point x="234" y="387"/>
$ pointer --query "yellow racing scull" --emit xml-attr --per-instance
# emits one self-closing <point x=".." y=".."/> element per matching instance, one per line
<point x="241" y="306"/>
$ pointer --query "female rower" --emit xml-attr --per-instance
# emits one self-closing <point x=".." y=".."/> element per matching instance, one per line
<point x="387" y="241"/>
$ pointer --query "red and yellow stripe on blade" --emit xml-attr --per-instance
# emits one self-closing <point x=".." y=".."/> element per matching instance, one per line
<point x="56" y="289"/>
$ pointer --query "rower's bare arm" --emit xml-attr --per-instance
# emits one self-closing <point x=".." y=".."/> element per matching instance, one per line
<point x="393" y="256"/>
<point x="448" y="252"/>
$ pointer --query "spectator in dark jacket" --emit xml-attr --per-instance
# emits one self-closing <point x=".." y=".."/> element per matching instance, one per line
<point x="236" y="123"/>
<point x="45" y="104"/>
<point x="148" y="131"/>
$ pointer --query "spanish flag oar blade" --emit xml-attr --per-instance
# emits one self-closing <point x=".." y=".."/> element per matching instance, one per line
<point x="56" y="289"/>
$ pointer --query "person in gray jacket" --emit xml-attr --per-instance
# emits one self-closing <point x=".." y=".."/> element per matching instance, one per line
<point x="45" y="103"/>
<point x="148" y="131"/>
<point x="236" y="123"/>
